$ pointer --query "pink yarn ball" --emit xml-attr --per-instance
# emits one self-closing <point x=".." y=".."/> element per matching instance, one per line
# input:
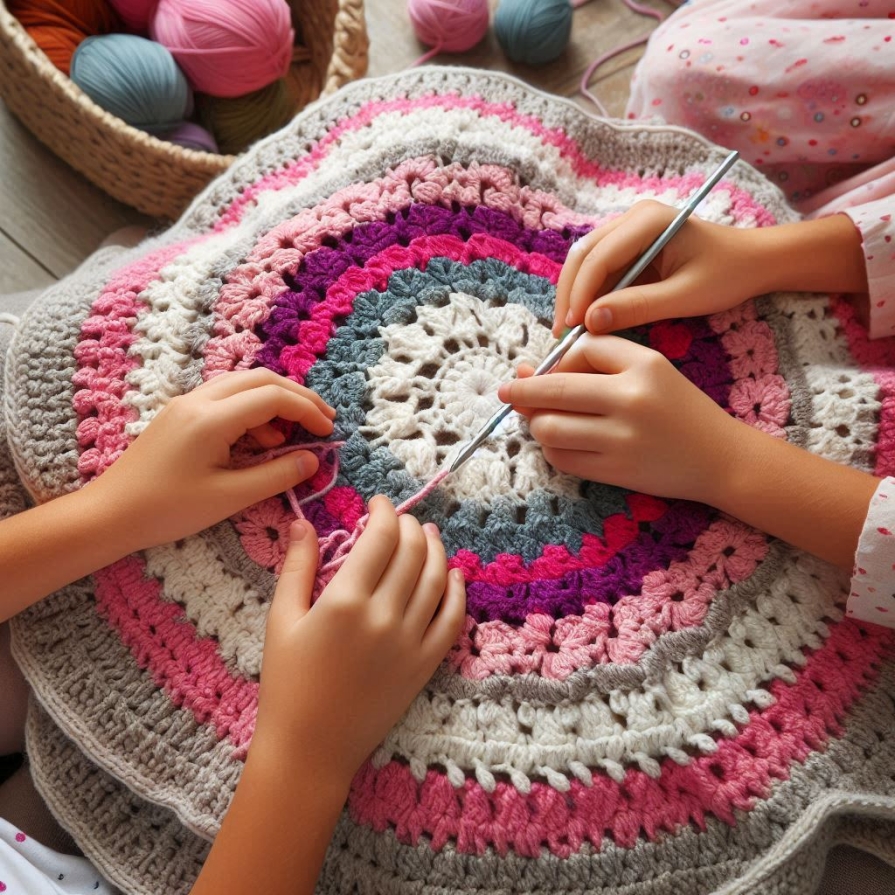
<point x="451" y="26"/>
<point x="135" y="13"/>
<point x="226" y="47"/>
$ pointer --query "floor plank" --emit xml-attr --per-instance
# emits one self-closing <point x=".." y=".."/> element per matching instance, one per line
<point x="597" y="27"/>
<point x="18" y="270"/>
<point x="46" y="207"/>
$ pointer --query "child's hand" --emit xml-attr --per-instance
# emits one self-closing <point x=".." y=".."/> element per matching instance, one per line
<point x="704" y="269"/>
<point x="175" y="479"/>
<point x="337" y="675"/>
<point x="642" y="425"/>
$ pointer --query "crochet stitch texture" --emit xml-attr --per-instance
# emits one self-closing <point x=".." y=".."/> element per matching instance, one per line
<point x="648" y="697"/>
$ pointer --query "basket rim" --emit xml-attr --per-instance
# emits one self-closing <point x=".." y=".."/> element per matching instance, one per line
<point x="38" y="61"/>
<point x="29" y="52"/>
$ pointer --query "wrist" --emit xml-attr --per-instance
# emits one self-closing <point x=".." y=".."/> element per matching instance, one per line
<point x="277" y="751"/>
<point x="822" y="255"/>
<point x="111" y="516"/>
<point x="812" y="503"/>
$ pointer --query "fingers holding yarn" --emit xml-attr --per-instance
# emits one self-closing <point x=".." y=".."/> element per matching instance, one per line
<point x="370" y="556"/>
<point x="399" y="580"/>
<point x="430" y="585"/>
<point x="250" y="409"/>
<point x="245" y="487"/>
<point x="447" y="623"/>
<point x="226" y="384"/>
<point x="292" y="597"/>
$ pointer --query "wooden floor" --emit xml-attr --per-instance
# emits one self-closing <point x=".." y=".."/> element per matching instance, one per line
<point x="51" y="217"/>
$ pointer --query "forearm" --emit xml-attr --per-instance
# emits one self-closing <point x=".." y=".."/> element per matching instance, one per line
<point x="822" y="255"/>
<point x="56" y="543"/>
<point x="810" y="502"/>
<point x="274" y="837"/>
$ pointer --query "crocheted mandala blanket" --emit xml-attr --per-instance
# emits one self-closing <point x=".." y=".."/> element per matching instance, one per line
<point x="648" y="696"/>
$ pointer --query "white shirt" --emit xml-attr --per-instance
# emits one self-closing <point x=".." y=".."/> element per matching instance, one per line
<point x="29" y="868"/>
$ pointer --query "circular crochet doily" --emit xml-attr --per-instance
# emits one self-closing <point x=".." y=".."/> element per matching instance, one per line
<point x="647" y="695"/>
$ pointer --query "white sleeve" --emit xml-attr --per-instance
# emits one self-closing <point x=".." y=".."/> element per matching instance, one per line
<point x="875" y="222"/>
<point x="872" y="593"/>
<point x="29" y="868"/>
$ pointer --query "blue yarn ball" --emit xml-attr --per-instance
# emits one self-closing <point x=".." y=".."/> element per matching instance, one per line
<point x="533" y="31"/>
<point x="133" y="78"/>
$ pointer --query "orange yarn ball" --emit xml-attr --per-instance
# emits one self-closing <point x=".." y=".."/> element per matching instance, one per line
<point x="58" y="26"/>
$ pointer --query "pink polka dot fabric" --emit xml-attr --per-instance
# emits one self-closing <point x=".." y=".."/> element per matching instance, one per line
<point x="646" y="696"/>
<point x="872" y="596"/>
<point x="806" y="92"/>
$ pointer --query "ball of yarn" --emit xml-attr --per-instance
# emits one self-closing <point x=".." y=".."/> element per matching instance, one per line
<point x="226" y="47"/>
<point x="533" y="31"/>
<point x="58" y="27"/>
<point x="450" y="26"/>
<point x="136" y="14"/>
<point x="133" y="78"/>
<point x="239" y="121"/>
<point x="190" y="135"/>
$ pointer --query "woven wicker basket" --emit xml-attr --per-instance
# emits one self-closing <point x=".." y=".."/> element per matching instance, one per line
<point x="154" y="176"/>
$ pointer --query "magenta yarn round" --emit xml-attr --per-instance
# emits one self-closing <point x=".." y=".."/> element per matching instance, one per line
<point x="135" y="13"/>
<point x="452" y="26"/>
<point x="226" y="47"/>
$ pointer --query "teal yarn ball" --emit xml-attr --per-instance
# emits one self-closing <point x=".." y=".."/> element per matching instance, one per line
<point x="533" y="31"/>
<point x="133" y="78"/>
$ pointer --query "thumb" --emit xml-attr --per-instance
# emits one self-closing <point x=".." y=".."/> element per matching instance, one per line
<point x="295" y="587"/>
<point x="255" y="483"/>
<point x="634" y="306"/>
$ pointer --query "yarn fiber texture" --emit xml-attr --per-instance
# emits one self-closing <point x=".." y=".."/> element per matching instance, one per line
<point x="58" y="27"/>
<point x="133" y="78"/>
<point x="449" y="26"/>
<point x="238" y="122"/>
<point x="136" y="14"/>
<point x="647" y="698"/>
<point x="533" y="31"/>
<point x="226" y="47"/>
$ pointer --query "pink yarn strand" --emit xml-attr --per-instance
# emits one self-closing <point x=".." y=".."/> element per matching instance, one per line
<point x="326" y="447"/>
<point x="341" y="541"/>
<point x="338" y="543"/>
<point x="426" y="56"/>
<point x="586" y="78"/>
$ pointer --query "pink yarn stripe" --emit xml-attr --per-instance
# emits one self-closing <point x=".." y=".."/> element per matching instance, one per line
<point x="742" y="769"/>
<point x="556" y="560"/>
<point x="569" y="149"/>
<point x="104" y="362"/>
<point x="246" y="298"/>
<point x="314" y="334"/>
<point x="192" y="671"/>
<point x="876" y="356"/>
<point x="672" y="599"/>
<point x="189" y="668"/>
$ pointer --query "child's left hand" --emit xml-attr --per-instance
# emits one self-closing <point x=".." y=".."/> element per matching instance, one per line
<point x="640" y="424"/>
<point x="175" y="479"/>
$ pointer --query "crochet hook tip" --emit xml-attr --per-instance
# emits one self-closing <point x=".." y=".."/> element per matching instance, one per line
<point x="483" y="434"/>
<point x="465" y="454"/>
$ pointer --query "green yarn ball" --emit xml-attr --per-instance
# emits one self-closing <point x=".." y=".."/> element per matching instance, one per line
<point x="237" y="122"/>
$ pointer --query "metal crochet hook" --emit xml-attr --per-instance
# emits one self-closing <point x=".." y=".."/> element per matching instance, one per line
<point x="573" y="335"/>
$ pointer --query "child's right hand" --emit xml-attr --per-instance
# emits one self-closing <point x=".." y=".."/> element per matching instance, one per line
<point x="704" y="269"/>
<point x="337" y="675"/>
